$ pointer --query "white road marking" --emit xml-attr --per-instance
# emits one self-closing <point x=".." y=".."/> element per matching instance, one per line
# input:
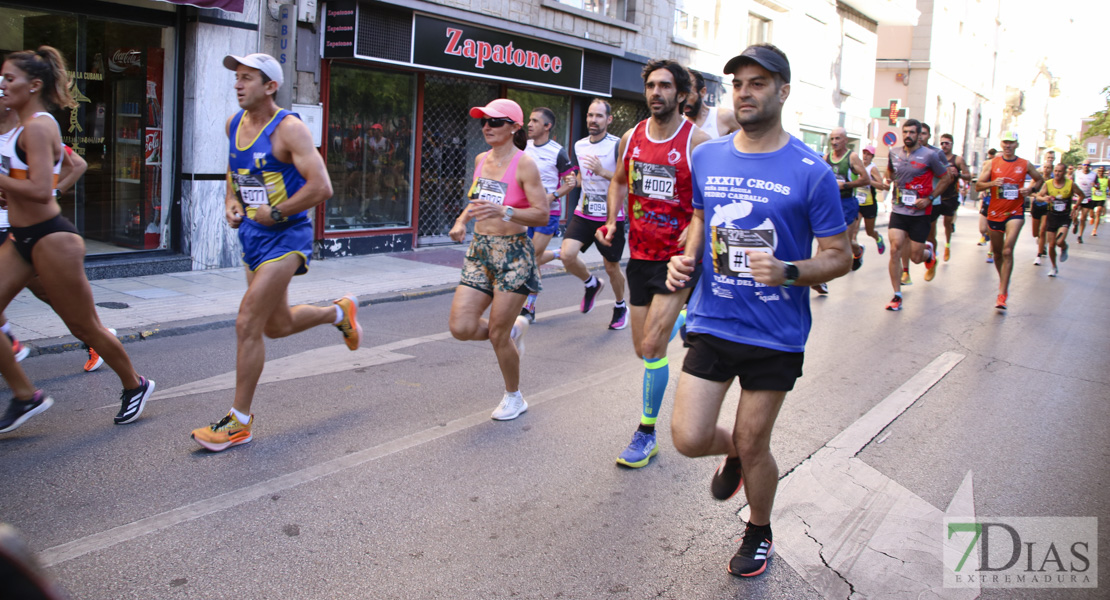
<point x="849" y="530"/>
<point x="106" y="539"/>
<point x="321" y="361"/>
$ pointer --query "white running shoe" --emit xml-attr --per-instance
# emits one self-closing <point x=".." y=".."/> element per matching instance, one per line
<point x="511" y="407"/>
<point x="1037" y="261"/>
<point x="520" y="328"/>
<point x="1053" y="272"/>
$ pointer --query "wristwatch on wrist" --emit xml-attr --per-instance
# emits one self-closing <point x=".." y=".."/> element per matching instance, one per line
<point x="555" y="194"/>
<point x="790" y="272"/>
<point x="508" y="216"/>
<point x="275" y="214"/>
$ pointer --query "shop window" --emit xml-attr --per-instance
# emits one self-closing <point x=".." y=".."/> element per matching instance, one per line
<point x="118" y="73"/>
<point x="816" y="141"/>
<point x="560" y="105"/>
<point x="450" y="143"/>
<point x="626" y="114"/>
<point x="370" y="148"/>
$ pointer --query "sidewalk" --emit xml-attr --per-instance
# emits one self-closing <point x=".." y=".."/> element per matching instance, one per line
<point x="178" y="303"/>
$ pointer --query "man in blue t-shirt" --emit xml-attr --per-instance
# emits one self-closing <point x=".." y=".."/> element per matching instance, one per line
<point x="760" y="198"/>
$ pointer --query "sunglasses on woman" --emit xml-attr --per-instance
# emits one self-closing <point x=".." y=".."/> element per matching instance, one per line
<point x="495" y="122"/>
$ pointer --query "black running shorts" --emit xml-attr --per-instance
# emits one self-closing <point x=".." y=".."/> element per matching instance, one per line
<point x="916" y="227"/>
<point x="582" y="230"/>
<point x="715" y="359"/>
<point x="647" y="278"/>
<point x="869" y="211"/>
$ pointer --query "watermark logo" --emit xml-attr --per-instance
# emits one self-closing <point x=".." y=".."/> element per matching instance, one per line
<point x="1021" y="552"/>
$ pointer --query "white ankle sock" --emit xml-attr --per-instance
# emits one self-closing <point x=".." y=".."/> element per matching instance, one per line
<point x="6" y="328"/>
<point x="338" y="315"/>
<point x="591" y="282"/>
<point x="244" y="419"/>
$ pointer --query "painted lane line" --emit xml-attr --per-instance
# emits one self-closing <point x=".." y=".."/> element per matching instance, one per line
<point x="201" y="508"/>
<point x="321" y="361"/>
<point x="856" y="436"/>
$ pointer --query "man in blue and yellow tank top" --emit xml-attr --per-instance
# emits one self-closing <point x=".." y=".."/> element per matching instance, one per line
<point x="275" y="177"/>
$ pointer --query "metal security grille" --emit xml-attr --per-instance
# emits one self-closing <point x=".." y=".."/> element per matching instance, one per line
<point x="597" y="73"/>
<point x="626" y="113"/>
<point x="451" y="141"/>
<point x="384" y="32"/>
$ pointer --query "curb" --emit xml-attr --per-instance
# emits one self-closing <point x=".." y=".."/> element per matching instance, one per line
<point x="68" y="343"/>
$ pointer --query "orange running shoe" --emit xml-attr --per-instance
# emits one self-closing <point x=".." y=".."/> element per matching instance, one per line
<point x="349" y="327"/>
<point x="225" y="434"/>
<point x="18" y="349"/>
<point x="1000" y="303"/>
<point x="95" y="361"/>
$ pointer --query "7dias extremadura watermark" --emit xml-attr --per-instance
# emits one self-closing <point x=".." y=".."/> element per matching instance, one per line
<point x="1021" y="552"/>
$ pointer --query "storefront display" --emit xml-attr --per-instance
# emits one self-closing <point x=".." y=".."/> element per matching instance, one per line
<point x="118" y="72"/>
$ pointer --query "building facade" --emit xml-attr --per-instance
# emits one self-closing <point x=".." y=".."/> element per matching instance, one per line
<point x="385" y="86"/>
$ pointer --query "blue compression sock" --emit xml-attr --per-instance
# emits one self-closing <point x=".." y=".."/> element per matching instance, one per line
<point x="678" y="323"/>
<point x="656" y="374"/>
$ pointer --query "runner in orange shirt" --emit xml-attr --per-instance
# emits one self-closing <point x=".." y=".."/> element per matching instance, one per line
<point x="1004" y="177"/>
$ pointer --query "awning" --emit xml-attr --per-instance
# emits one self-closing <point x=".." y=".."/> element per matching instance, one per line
<point x="228" y="5"/>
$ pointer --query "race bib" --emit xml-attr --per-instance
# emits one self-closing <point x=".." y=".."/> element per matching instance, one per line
<point x="654" y="181"/>
<point x="909" y="197"/>
<point x="731" y="248"/>
<point x="595" y="205"/>
<point x="1059" y="206"/>
<point x="489" y="190"/>
<point x="251" y="189"/>
<point x="1009" y="191"/>
<point x="861" y="197"/>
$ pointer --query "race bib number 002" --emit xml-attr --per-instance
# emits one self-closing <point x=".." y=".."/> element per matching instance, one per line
<point x="654" y="181"/>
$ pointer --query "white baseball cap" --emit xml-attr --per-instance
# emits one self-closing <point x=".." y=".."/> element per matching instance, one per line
<point x="263" y="62"/>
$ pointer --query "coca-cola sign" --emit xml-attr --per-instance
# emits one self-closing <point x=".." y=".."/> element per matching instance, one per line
<point x="124" y="59"/>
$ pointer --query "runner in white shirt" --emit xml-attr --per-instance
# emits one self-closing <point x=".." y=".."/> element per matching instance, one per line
<point x="595" y="157"/>
<point x="717" y="123"/>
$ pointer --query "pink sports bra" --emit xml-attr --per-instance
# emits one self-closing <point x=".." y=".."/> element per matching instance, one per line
<point x="505" y="191"/>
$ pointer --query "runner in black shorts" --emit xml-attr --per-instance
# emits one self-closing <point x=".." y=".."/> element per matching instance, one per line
<point x="595" y="162"/>
<point x="1057" y="195"/>
<point x="653" y="180"/>
<point x="911" y="171"/>
<point x="950" y="198"/>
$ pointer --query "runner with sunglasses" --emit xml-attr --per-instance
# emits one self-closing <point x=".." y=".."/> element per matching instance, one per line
<point x="500" y="269"/>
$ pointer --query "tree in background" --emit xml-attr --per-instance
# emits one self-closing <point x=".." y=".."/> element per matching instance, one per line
<point x="1076" y="154"/>
<point x="1101" y="123"/>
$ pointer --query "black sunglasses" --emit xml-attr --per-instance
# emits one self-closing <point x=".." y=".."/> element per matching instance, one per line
<point x="495" y="122"/>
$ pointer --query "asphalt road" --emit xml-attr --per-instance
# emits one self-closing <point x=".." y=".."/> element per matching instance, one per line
<point x="385" y="478"/>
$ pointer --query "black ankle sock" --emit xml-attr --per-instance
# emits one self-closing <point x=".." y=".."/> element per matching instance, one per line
<point x="761" y="530"/>
<point x="648" y="429"/>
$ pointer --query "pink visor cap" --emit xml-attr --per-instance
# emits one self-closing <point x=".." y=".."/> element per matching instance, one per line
<point x="870" y="148"/>
<point x="502" y="108"/>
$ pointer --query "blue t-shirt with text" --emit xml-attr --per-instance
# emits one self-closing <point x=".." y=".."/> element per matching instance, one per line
<point x="774" y="202"/>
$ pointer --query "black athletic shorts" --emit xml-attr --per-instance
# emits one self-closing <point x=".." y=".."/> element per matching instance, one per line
<point x="1001" y="225"/>
<point x="869" y="211"/>
<point x="582" y="230"/>
<point x="1097" y="204"/>
<point x="1055" y="221"/>
<point x="757" y="368"/>
<point x="1039" y="210"/>
<point x="983" y="208"/>
<point x="947" y="206"/>
<point x="3" y="236"/>
<point x="647" y="278"/>
<point x="916" y="227"/>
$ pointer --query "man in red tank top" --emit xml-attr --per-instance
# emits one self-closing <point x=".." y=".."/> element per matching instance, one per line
<point x="1004" y="177"/>
<point x="653" y="177"/>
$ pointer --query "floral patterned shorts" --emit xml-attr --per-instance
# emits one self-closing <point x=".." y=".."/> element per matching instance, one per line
<point x="505" y="261"/>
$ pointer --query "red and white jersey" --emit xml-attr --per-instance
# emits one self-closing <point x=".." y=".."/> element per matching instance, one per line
<point x="660" y="191"/>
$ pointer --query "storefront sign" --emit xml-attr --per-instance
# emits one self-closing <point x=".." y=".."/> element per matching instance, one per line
<point x="468" y="49"/>
<point x="339" y="29"/>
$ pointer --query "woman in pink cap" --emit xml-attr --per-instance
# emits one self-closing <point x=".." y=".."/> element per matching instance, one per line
<point x="500" y="269"/>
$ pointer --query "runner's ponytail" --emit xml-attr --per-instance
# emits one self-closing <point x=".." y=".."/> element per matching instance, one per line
<point x="47" y="65"/>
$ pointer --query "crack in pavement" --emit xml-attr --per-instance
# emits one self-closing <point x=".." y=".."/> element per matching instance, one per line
<point x="821" y="555"/>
